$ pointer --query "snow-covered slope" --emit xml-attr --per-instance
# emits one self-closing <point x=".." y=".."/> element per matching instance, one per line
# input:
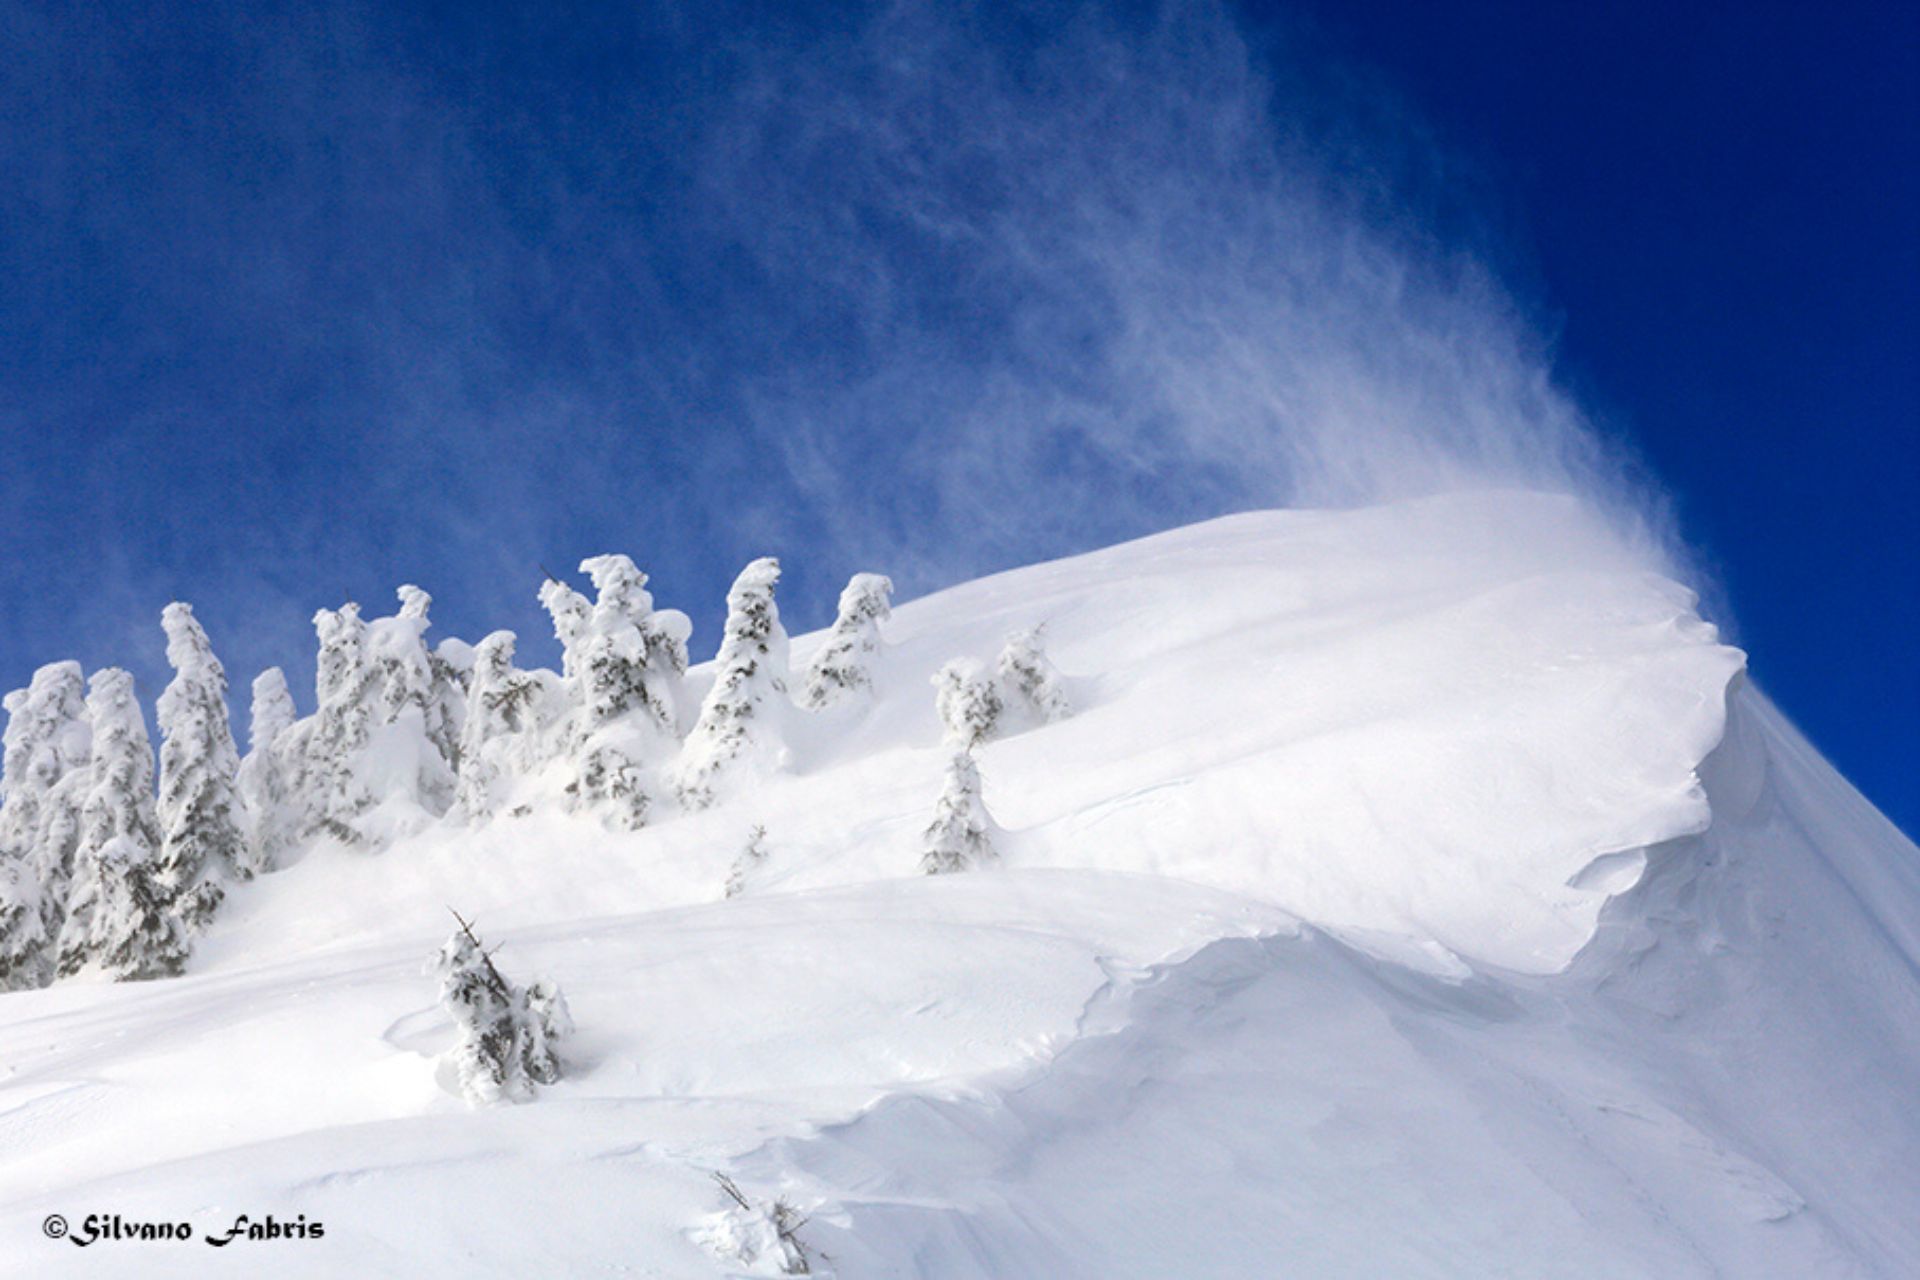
<point x="1418" y="891"/>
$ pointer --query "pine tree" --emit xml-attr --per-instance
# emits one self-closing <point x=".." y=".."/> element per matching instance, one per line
<point x="329" y="793"/>
<point x="740" y="720"/>
<point x="22" y="941"/>
<point x="961" y="833"/>
<point x="571" y="612"/>
<point x="502" y="713"/>
<point x="509" y="1038"/>
<point x="409" y="719"/>
<point x="23" y="938"/>
<point x="634" y="655"/>
<point x="43" y="775"/>
<point x="1028" y="676"/>
<point x="751" y="859"/>
<point x="201" y="846"/>
<point x="844" y="665"/>
<point x="611" y="782"/>
<point x="119" y="917"/>
<point x="628" y="662"/>
<point x="452" y="662"/>
<point x="968" y="702"/>
<point x="613" y="650"/>
<point x="264" y="783"/>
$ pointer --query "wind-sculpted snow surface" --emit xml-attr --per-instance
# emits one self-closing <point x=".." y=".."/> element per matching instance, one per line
<point x="1419" y="891"/>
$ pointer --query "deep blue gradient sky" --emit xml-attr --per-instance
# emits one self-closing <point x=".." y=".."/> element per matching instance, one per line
<point x="1722" y="204"/>
<point x="298" y="303"/>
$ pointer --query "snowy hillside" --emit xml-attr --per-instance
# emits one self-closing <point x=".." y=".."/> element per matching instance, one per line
<point x="1414" y="891"/>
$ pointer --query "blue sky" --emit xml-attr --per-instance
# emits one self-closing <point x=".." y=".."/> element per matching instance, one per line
<point x="298" y="303"/>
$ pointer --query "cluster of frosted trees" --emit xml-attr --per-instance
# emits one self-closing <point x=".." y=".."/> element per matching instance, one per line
<point x="100" y="869"/>
<point x="95" y="868"/>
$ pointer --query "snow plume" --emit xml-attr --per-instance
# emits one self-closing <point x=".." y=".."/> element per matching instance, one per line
<point x="1088" y="275"/>
<point x="929" y="288"/>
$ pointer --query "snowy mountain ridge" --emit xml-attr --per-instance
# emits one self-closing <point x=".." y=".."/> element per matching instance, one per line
<point x="1420" y="890"/>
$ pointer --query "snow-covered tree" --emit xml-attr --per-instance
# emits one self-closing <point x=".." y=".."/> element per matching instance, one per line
<point x="509" y="1038"/>
<point x="740" y="719"/>
<point x="618" y="654"/>
<point x="23" y="941"/>
<point x="961" y="833"/>
<point x="329" y="792"/>
<point x="59" y="846"/>
<point x="272" y="712"/>
<point x="1030" y="678"/>
<point x="264" y="782"/>
<point x="201" y="845"/>
<point x="43" y="775"/>
<point x="452" y="662"/>
<point x="613" y="652"/>
<point x="119" y="916"/>
<point x="751" y="859"/>
<point x="385" y="732"/>
<point x="611" y="782"/>
<point x="502" y="715"/>
<point x="622" y="663"/>
<point x="49" y="746"/>
<point x="968" y="702"/>
<point x="628" y="664"/>
<point x="404" y="665"/>
<point x="571" y="612"/>
<point x="410" y="730"/>
<point x="24" y="961"/>
<point x="844" y="665"/>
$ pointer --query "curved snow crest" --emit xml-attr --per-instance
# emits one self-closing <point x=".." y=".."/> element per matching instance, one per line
<point x="1446" y="725"/>
<point x="1718" y="1085"/>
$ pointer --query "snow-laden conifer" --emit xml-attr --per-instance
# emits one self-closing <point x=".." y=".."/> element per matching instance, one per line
<point x="628" y="664"/>
<point x="119" y="917"/>
<point x="571" y="612"/>
<point x="200" y="843"/>
<point x="753" y="856"/>
<point x="628" y="659"/>
<point x="610" y="781"/>
<point x="960" y="836"/>
<point x="844" y="665"/>
<point x="43" y="776"/>
<point x="330" y="794"/>
<point x="509" y="1037"/>
<point x="23" y="941"/>
<point x="1029" y="678"/>
<point x="420" y="677"/>
<point x="410" y="734"/>
<point x="59" y="846"/>
<point x="503" y="715"/>
<point x="51" y="747"/>
<point x="452" y="662"/>
<point x="24" y="961"/>
<point x="264" y="783"/>
<point x="271" y="712"/>
<point x="740" y="726"/>
<point x="968" y="702"/>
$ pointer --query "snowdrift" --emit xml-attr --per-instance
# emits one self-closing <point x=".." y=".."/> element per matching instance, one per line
<point x="1417" y="891"/>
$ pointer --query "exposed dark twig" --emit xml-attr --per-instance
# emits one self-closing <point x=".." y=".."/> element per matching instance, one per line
<point x="732" y="1189"/>
<point x="498" y="982"/>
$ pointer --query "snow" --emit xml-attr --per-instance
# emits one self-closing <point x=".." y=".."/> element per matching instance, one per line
<point x="1414" y="891"/>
